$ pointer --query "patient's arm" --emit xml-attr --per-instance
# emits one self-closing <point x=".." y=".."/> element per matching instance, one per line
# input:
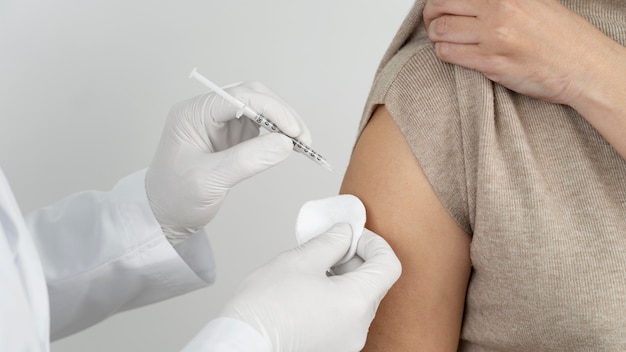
<point x="423" y="311"/>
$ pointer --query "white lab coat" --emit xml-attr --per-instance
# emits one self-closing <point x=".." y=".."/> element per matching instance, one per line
<point x="68" y="266"/>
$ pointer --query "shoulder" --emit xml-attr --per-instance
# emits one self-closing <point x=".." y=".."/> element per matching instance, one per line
<point x="412" y="80"/>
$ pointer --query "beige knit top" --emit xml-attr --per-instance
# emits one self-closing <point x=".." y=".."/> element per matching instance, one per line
<point x="541" y="192"/>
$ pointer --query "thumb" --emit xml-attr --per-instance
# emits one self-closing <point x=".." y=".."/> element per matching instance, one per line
<point x="252" y="157"/>
<point x="381" y="268"/>
<point x="323" y="251"/>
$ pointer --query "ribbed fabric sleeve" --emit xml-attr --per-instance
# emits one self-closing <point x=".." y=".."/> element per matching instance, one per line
<point x="541" y="192"/>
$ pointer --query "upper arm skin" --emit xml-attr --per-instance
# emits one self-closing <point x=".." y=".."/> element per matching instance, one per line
<point x="423" y="311"/>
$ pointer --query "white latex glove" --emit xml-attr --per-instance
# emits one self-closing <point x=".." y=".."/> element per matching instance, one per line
<point x="294" y="304"/>
<point x="205" y="150"/>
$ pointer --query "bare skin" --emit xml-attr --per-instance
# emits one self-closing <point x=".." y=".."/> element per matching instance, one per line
<point x="424" y="310"/>
<point x="537" y="48"/>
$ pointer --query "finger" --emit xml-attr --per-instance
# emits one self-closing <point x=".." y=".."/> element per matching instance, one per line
<point x="250" y="158"/>
<point x="437" y="8"/>
<point x="262" y="88"/>
<point x="260" y="99"/>
<point x="224" y="135"/>
<point x="380" y="269"/>
<point x="267" y="103"/>
<point x="349" y="266"/>
<point x="471" y="56"/>
<point x="455" y="29"/>
<point x="322" y="252"/>
<point x="218" y="109"/>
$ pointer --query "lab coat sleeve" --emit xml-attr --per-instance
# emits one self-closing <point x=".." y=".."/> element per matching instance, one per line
<point x="228" y="335"/>
<point x="104" y="252"/>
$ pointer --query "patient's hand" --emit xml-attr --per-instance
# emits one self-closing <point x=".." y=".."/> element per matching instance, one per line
<point x="537" y="48"/>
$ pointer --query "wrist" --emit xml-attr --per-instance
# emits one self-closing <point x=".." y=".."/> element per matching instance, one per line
<point x="226" y="334"/>
<point x="601" y="80"/>
<point x="602" y="100"/>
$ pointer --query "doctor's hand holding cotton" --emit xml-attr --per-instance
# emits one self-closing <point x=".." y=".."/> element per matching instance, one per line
<point x="292" y="304"/>
<point x="205" y="150"/>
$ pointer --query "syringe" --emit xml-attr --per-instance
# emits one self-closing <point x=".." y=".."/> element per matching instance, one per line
<point x="243" y="109"/>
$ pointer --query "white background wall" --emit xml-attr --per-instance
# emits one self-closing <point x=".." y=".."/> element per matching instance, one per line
<point x="85" y="87"/>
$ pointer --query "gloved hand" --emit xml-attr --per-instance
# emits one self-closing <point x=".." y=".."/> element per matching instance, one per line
<point x="205" y="150"/>
<point x="297" y="307"/>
